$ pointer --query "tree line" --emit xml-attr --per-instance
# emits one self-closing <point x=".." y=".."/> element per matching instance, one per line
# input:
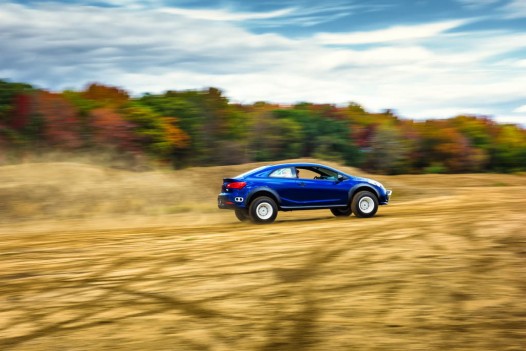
<point x="203" y="128"/>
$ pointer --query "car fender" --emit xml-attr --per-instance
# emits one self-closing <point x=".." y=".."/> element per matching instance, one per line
<point x="252" y="192"/>
<point x="353" y="190"/>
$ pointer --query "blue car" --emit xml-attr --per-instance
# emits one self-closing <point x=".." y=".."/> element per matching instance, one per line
<point x="259" y="194"/>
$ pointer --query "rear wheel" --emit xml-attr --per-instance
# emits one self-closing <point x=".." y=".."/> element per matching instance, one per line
<point x="342" y="212"/>
<point x="242" y="214"/>
<point x="364" y="204"/>
<point x="263" y="210"/>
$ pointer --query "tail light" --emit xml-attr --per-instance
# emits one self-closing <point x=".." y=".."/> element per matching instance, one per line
<point x="236" y="185"/>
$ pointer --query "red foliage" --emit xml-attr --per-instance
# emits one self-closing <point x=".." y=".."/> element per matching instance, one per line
<point x="61" y="125"/>
<point x="110" y="128"/>
<point x="21" y="111"/>
<point x="363" y="135"/>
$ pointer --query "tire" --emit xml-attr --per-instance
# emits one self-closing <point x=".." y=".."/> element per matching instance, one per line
<point x="364" y="204"/>
<point x="342" y="212"/>
<point x="242" y="214"/>
<point x="263" y="210"/>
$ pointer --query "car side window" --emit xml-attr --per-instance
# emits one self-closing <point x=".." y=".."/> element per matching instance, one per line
<point x="327" y="174"/>
<point x="307" y="173"/>
<point x="283" y="173"/>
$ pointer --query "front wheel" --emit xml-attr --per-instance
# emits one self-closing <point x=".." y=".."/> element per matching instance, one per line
<point x="342" y="212"/>
<point x="263" y="210"/>
<point x="364" y="204"/>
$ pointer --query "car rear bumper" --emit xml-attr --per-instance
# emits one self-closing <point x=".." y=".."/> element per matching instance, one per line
<point x="225" y="203"/>
<point x="231" y="201"/>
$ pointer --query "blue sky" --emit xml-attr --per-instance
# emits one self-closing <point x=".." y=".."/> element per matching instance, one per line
<point x="422" y="58"/>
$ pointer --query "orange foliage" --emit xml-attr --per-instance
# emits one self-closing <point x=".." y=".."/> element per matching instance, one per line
<point x="110" y="128"/>
<point x="176" y="136"/>
<point x="453" y="148"/>
<point x="109" y="96"/>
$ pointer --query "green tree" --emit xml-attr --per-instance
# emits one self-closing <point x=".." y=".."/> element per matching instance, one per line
<point x="322" y="136"/>
<point x="159" y="135"/>
<point x="508" y="153"/>
<point x="389" y="151"/>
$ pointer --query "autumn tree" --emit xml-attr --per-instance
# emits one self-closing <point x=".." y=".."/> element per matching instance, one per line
<point x="106" y="95"/>
<point x="8" y="94"/>
<point x="388" y="152"/>
<point x="217" y="130"/>
<point x="59" y="119"/>
<point x="160" y="136"/>
<point x="272" y="138"/>
<point x="509" y="151"/>
<point x="110" y="129"/>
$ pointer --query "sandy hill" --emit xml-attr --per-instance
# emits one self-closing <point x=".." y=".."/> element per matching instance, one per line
<point x="75" y="190"/>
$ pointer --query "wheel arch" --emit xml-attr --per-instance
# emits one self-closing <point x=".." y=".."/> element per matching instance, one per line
<point x="263" y="192"/>
<point x="363" y="187"/>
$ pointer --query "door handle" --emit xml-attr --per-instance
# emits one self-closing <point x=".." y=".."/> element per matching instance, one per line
<point x="301" y="183"/>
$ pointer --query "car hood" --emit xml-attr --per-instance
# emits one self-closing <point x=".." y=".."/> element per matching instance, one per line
<point x="368" y="180"/>
<point x="362" y="179"/>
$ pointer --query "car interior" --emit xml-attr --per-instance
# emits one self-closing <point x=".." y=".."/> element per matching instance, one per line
<point x="315" y="173"/>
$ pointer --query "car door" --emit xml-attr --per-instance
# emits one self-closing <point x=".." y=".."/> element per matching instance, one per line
<point x="322" y="192"/>
<point x="319" y="187"/>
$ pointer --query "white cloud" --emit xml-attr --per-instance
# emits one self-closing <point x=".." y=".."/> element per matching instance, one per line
<point x="514" y="119"/>
<point x="520" y="109"/>
<point x="477" y="3"/>
<point x="396" y="33"/>
<point x="301" y="16"/>
<point x="224" y="15"/>
<point x="515" y="9"/>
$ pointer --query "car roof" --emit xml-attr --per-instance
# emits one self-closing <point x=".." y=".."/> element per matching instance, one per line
<point x="293" y="164"/>
<point x="297" y="164"/>
<point x="275" y="166"/>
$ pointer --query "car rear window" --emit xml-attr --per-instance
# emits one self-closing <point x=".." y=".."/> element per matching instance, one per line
<point x="252" y="171"/>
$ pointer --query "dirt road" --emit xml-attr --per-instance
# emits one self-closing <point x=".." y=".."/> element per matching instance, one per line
<point x="443" y="267"/>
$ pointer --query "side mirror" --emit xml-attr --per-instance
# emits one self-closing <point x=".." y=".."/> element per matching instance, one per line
<point x="340" y="178"/>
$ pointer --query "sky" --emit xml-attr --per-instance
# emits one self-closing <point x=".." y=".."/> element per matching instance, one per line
<point x="420" y="58"/>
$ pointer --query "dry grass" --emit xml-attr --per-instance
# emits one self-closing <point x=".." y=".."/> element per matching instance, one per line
<point x="93" y="259"/>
